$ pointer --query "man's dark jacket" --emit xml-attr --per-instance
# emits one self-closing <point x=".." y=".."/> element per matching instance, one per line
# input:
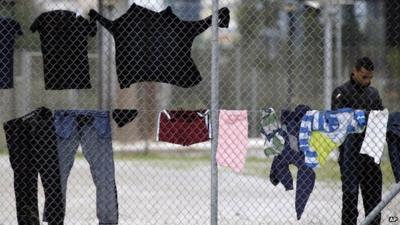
<point x="357" y="169"/>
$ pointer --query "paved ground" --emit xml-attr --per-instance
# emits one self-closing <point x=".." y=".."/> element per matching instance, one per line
<point x="174" y="193"/>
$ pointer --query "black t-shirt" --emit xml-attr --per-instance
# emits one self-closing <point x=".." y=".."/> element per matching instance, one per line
<point x="9" y="29"/>
<point x="64" y="40"/>
<point x="155" y="46"/>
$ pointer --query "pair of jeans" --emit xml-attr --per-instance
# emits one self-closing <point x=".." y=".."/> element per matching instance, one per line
<point x="91" y="129"/>
<point x="31" y="142"/>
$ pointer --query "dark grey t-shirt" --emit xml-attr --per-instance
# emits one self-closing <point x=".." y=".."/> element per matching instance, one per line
<point x="64" y="40"/>
<point x="9" y="29"/>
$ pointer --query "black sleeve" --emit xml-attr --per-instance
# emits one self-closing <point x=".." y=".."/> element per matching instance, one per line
<point x="17" y="28"/>
<point x="224" y="17"/>
<point x="198" y="27"/>
<point x="132" y="8"/>
<point x="37" y="24"/>
<point x="338" y="99"/>
<point x="89" y="27"/>
<point x="108" y="24"/>
<point x="202" y="25"/>
<point x="92" y="28"/>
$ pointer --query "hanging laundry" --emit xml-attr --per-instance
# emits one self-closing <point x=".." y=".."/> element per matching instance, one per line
<point x="91" y="129"/>
<point x="374" y="140"/>
<point x="333" y="125"/>
<point x="280" y="172"/>
<point x="232" y="139"/>
<point x="124" y="116"/>
<point x="183" y="127"/>
<point x="323" y="144"/>
<point x="271" y="131"/>
<point x="156" y="46"/>
<point x="9" y="30"/>
<point x="64" y="40"/>
<point x="31" y="141"/>
<point x="393" y="142"/>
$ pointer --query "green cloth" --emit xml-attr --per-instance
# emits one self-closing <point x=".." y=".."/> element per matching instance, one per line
<point x="322" y="145"/>
<point x="270" y="127"/>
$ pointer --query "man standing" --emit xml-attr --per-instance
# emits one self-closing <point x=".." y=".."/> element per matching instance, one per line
<point x="358" y="170"/>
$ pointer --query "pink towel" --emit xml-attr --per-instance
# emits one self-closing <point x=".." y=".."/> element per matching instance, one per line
<point x="232" y="139"/>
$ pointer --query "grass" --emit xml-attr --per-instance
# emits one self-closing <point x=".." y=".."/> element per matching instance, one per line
<point x="178" y="160"/>
<point x="255" y="166"/>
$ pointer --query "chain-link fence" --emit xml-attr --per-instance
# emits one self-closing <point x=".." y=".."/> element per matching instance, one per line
<point x="154" y="112"/>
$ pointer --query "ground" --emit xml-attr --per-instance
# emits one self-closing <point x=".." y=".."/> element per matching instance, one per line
<point x="172" y="192"/>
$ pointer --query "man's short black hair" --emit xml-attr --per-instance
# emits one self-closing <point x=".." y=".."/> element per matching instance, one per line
<point x="365" y="63"/>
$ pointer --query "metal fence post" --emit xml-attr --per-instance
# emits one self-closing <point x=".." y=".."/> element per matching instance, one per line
<point x="382" y="205"/>
<point x="104" y="82"/>
<point x="290" y="8"/>
<point x="238" y="77"/>
<point x="26" y="75"/>
<point x="327" y="55"/>
<point x="339" y="46"/>
<point x="214" y="113"/>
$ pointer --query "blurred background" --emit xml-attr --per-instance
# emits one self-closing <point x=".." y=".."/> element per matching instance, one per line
<point x="275" y="53"/>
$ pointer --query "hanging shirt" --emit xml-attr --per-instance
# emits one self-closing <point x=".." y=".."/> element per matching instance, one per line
<point x="272" y="132"/>
<point x="336" y="125"/>
<point x="232" y="139"/>
<point x="9" y="29"/>
<point x="156" y="46"/>
<point x="280" y="172"/>
<point x="375" y="134"/>
<point x="64" y="40"/>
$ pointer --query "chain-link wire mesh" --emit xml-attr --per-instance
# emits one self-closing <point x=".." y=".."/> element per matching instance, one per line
<point x="108" y="115"/>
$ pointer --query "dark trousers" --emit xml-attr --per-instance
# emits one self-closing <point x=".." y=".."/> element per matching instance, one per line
<point x="32" y="146"/>
<point x="359" y="171"/>
<point x="393" y="141"/>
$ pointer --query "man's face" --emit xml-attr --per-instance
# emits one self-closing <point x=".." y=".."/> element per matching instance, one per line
<point x="363" y="76"/>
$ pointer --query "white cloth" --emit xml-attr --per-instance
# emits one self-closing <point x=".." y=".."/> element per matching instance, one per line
<point x="375" y="135"/>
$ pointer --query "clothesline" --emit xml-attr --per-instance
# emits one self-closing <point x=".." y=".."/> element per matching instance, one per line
<point x="196" y="108"/>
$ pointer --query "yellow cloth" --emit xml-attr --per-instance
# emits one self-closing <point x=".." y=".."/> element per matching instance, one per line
<point x="322" y="145"/>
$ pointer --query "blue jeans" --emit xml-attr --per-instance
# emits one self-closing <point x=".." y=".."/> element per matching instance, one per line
<point x="91" y="129"/>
